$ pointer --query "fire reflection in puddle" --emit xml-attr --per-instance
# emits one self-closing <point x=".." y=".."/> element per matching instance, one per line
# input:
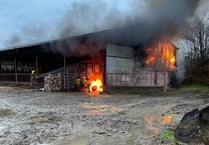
<point x="159" y="121"/>
<point x="166" y="120"/>
<point x="154" y="121"/>
<point x="154" y="132"/>
<point x="149" y="120"/>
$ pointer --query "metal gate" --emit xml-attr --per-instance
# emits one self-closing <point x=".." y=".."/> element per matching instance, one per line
<point x="137" y="79"/>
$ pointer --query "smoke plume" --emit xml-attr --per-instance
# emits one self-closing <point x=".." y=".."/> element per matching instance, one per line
<point x="132" y="22"/>
<point x="14" y="40"/>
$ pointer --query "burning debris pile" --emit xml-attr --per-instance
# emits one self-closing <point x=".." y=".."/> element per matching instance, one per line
<point x="89" y="86"/>
<point x="52" y="83"/>
<point x="96" y="86"/>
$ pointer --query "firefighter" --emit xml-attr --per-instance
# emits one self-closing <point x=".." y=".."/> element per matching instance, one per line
<point x="78" y="82"/>
<point x="33" y="72"/>
<point x="32" y="76"/>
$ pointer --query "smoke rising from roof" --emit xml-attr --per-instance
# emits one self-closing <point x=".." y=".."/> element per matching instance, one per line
<point x="94" y="15"/>
<point x="134" y="21"/>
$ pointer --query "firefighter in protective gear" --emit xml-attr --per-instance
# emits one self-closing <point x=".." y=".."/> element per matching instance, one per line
<point x="32" y="76"/>
<point x="33" y="72"/>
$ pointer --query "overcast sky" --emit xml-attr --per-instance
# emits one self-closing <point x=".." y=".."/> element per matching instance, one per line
<point x="18" y="17"/>
<point x="25" y="21"/>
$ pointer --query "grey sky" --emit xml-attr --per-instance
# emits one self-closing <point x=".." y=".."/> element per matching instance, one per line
<point x="17" y="16"/>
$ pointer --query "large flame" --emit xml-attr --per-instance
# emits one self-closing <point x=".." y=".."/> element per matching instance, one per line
<point x="162" y="56"/>
<point x="96" y="86"/>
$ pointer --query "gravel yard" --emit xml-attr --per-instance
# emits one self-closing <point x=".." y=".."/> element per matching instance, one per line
<point x="30" y="117"/>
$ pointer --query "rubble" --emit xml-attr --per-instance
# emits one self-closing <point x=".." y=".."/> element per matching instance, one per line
<point x="52" y="83"/>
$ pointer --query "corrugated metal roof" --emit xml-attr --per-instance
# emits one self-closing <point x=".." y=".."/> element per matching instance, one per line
<point x="129" y="36"/>
<point x="134" y="35"/>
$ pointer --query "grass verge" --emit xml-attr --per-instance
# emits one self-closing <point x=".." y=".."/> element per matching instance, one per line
<point x="167" y="137"/>
<point x="199" y="88"/>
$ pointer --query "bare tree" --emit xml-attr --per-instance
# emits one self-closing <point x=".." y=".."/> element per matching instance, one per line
<point x="197" y="40"/>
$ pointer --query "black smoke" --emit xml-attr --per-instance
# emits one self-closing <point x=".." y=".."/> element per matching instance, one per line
<point x="140" y="23"/>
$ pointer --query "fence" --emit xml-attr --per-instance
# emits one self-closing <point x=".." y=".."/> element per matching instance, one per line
<point x="20" y="78"/>
<point x="137" y="79"/>
<point x="67" y="80"/>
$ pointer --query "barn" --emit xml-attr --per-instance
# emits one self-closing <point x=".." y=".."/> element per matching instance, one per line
<point x="92" y="62"/>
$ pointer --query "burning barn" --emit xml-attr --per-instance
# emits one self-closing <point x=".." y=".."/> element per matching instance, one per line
<point x="92" y="62"/>
<point x="137" y="53"/>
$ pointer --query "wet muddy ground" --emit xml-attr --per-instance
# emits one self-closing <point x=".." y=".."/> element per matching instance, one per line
<point x="30" y="117"/>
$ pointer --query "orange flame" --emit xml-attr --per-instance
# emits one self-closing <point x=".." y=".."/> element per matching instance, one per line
<point x="96" y="86"/>
<point x="163" y="54"/>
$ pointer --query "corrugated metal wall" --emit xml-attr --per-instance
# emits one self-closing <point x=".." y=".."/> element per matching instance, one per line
<point x="120" y="70"/>
<point x="119" y="59"/>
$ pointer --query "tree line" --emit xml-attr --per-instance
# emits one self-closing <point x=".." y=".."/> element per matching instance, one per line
<point x="197" y="43"/>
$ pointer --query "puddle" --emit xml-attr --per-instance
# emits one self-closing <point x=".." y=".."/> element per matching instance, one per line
<point x="42" y="119"/>
<point x="6" y="112"/>
<point x="154" y="132"/>
<point x="2" y="128"/>
<point x="166" y="120"/>
<point x="129" y="140"/>
<point x="158" y="120"/>
<point x="135" y="132"/>
<point x="97" y="109"/>
<point x="81" y="140"/>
